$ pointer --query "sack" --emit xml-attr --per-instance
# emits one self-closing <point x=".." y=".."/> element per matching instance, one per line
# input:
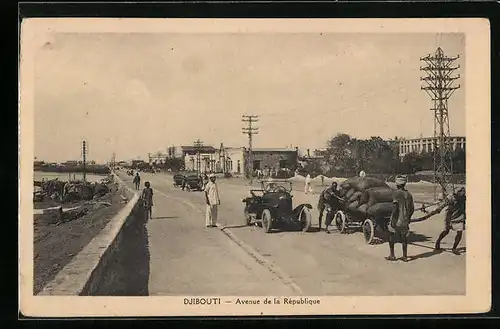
<point x="349" y="194"/>
<point x="349" y="182"/>
<point x="364" y="197"/>
<point x="379" y="195"/>
<point x="363" y="208"/>
<point x="355" y="196"/>
<point x="380" y="210"/>
<point x="363" y="184"/>
<point x="353" y="205"/>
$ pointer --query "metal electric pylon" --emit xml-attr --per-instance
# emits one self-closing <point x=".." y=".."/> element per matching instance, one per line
<point x="439" y="86"/>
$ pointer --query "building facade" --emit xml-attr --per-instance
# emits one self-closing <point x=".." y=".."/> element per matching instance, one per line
<point x="427" y="144"/>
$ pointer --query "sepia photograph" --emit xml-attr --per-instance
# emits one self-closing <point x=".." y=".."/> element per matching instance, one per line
<point x="235" y="167"/>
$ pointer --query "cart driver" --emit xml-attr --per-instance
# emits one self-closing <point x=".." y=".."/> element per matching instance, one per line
<point x="271" y="185"/>
<point x="327" y="200"/>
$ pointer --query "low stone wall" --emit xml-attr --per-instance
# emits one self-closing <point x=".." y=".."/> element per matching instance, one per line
<point x="114" y="263"/>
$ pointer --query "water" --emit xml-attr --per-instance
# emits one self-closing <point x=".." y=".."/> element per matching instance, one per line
<point x="38" y="175"/>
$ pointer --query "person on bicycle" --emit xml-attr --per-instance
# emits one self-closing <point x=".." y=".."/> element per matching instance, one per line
<point x="137" y="181"/>
<point x="147" y="198"/>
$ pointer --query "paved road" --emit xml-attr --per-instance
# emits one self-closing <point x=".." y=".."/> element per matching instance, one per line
<point x="315" y="262"/>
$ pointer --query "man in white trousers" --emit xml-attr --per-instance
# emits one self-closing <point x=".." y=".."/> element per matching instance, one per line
<point x="213" y="201"/>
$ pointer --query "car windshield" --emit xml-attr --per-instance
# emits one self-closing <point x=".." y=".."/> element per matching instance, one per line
<point x="276" y="186"/>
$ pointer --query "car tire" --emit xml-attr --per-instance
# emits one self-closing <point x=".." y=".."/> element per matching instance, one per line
<point x="305" y="219"/>
<point x="267" y="220"/>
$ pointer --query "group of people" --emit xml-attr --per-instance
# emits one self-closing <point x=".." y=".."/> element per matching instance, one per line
<point x="400" y="219"/>
<point x="212" y="198"/>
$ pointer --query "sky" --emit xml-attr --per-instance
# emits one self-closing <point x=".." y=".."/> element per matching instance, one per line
<point x="137" y="93"/>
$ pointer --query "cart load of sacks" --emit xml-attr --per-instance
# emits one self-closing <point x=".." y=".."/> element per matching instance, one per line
<point x="368" y="197"/>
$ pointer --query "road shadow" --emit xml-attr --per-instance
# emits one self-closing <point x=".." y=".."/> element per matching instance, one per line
<point x="128" y="271"/>
<point x="416" y="237"/>
<point x="425" y="255"/>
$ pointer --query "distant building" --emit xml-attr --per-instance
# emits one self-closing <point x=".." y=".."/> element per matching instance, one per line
<point x="263" y="158"/>
<point x="206" y="162"/>
<point x="427" y="144"/>
<point x="71" y="163"/>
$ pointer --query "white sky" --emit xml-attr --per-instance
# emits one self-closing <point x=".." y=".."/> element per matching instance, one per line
<point x="139" y="93"/>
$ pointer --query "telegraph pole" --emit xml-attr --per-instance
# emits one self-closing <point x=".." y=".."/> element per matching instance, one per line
<point x="250" y="131"/>
<point x="197" y="146"/>
<point x="84" y="155"/>
<point x="439" y="86"/>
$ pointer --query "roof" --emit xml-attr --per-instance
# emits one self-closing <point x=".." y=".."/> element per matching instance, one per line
<point x="273" y="150"/>
<point x="202" y="149"/>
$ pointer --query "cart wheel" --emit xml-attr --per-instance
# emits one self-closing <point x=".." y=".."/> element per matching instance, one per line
<point x="267" y="220"/>
<point x="305" y="219"/>
<point x="368" y="230"/>
<point x="340" y="221"/>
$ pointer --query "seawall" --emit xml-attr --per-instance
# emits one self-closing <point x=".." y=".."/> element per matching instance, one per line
<point x="114" y="263"/>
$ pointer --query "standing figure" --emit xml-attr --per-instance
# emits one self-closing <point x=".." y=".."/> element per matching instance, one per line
<point x="307" y="187"/>
<point x="454" y="220"/>
<point x="399" y="224"/>
<point x="326" y="201"/>
<point x="147" y="198"/>
<point x="137" y="181"/>
<point x="212" y="201"/>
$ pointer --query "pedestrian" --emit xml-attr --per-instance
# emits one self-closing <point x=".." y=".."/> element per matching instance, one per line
<point x="137" y="181"/>
<point x="307" y="187"/>
<point x="212" y="201"/>
<point x="322" y="180"/>
<point x="399" y="224"/>
<point x="327" y="200"/>
<point x="454" y="219"/>
<point x="147" y="198"/>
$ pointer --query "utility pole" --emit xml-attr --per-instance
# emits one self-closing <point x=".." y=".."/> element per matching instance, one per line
<point x="250" y="131"/>
<point x="84" y="155"/>
<point x="113" y="161"/>
<point x="439" y="86"/>
<point x="197" y="146"/>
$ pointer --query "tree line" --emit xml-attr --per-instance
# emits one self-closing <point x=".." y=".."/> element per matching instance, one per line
<point x="347" y="156"/>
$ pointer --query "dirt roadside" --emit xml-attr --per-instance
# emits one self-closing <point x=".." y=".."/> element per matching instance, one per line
<point x="55" y="245"/>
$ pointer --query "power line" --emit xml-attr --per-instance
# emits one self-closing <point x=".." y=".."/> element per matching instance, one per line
<point x="250" y="130"/>
<point x="439" y="86"/>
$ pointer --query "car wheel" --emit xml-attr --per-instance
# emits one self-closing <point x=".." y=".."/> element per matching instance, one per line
<point x="267" y="220"/>
<point x="305" y="219"/>
<point x="246" y="214"/>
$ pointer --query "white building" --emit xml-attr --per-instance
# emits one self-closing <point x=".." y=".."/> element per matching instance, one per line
<point x="427" y="144"/>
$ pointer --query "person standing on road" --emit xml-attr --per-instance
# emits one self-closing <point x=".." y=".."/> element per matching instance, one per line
<point x="399" y="224"/>
<point x="327" y="199"/>
<point x="147" y="198"/>
<point x="137" y="181"/>
<point x="212" y="201"/>
<point x="307" y="187"/>
<point x="454" y="219"/>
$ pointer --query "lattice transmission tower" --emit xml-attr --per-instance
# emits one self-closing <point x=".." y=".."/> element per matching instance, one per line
<point x="439" y="85"/>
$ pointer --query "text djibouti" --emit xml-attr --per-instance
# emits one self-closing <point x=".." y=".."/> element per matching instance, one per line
<point x="202" y="301"/>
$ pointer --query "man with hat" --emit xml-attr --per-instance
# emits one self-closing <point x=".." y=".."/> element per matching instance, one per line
<point x="212" y="201"/>
<point x="399" y="224"/>
<point x="327" y="200"/>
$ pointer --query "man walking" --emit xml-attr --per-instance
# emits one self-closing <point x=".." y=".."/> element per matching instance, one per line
<point x="454" y="220"/>
<point x="399" y="224"/>
<point x="147" y="198"/>
<point x="137" y="181"/>
<point x="212" y="201"/>
<point x="327" y="200"/>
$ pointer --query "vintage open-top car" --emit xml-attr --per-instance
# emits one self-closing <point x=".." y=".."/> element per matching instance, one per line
<point x="272" y="207"/>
